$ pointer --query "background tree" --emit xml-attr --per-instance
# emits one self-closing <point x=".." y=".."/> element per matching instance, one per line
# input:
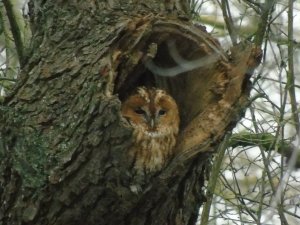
<point x="62" y="139"/>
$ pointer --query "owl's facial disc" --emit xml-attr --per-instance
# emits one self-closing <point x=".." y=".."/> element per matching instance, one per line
<point x="147" y="116"/>
<point x="152" y="111"/>
<point x="152" y="118"/>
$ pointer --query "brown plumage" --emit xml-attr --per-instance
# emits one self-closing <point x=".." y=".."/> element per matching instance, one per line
<point x="154" y="116"/>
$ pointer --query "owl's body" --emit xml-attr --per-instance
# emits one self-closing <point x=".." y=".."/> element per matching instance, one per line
<point x="154" y="117"/>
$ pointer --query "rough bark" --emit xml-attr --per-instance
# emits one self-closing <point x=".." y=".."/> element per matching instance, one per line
<point x="63" y="140"/>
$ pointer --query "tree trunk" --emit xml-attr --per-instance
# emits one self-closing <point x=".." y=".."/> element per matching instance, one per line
<point x="63" y="141"/>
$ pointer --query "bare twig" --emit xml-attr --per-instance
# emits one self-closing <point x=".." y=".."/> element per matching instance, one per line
<point x="266" y="161"/>
<point x="213" y="181"/>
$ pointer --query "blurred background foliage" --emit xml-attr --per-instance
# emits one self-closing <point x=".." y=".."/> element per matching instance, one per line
<point x="258" y="165"/>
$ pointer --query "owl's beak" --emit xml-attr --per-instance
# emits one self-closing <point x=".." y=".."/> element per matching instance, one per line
<point x="152" y="123"/>
<point x="151" y="120"/>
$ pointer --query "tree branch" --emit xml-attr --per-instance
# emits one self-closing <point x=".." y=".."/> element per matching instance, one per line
<point x="267" y="8"/>
<point x="291" y="75"/>
<point x="265" y="140"/>
<point x="15" y="30"/>
<point x="228" y="20"/>
<point x="8" y="79"/>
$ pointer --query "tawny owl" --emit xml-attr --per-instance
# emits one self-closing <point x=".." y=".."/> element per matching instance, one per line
<point x="154" y="116"/>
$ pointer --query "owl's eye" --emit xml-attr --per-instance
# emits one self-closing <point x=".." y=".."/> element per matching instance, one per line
<point x="139" y="111"/>
<point x="162" y="112"/>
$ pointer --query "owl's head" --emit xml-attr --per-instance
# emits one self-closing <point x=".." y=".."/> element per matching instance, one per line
<point x="152" y="110"/>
